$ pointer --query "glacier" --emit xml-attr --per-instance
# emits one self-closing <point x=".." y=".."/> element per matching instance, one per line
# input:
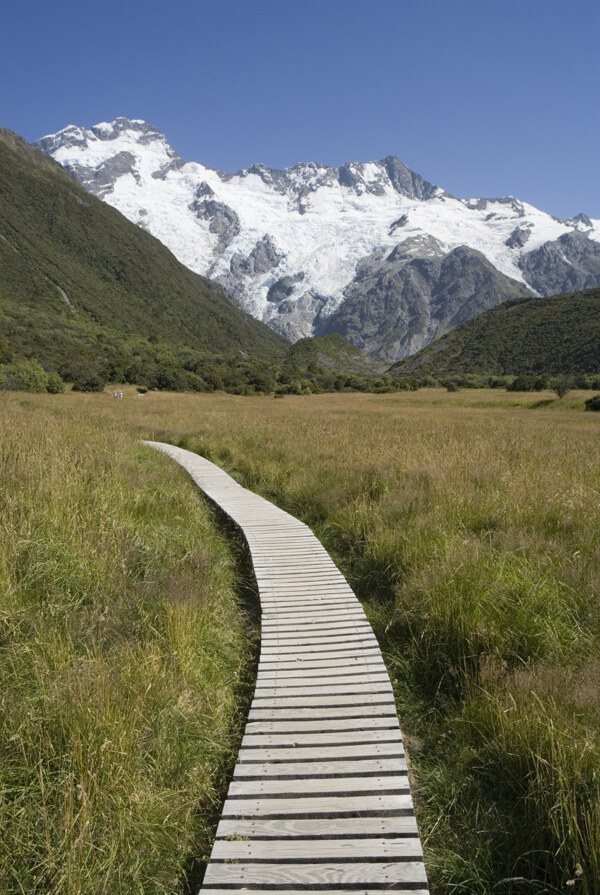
<point x="289" y="245"/>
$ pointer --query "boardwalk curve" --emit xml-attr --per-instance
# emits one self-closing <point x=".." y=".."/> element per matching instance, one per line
<point x="320" y="798"/>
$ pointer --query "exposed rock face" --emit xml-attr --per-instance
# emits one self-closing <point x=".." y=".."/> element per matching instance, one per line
<point x="510" y="202"/>
<point x="582" y="222"/>
<point x="401" y="222"/>
<point x="569" y="264"/>
<point x="223" y="221"/>
<point x="370" y="247"/>
<point x="518" y="237"/>
<point x="100" y="180"/>
<point x="401" y="302"/>
<point x="406" y="182"/>
<point x="244" y="269"/>
<point x="284" y="287"/>
<point x="261" y="259"/>
<point x="292" y="319"/>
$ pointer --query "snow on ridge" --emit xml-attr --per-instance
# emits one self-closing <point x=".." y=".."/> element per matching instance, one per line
<point x="321" y="221"/>
<point x="65" y="130"/>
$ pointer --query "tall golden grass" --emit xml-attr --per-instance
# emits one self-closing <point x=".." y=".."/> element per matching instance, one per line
<point x="123" y="652"/>
<point x="469" y="525"/>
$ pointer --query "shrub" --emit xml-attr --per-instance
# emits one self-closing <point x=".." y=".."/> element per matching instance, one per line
<point x="498" y="382"/>
<point x="24" y="376"/>
<point x="523" y="383"/>
<point x="172" y="380"/>
<point x="452" y="386"/>
<point x="55" y="385"/>
<point x="89" y="383"/>
<point x="593" y="403"/>
<point x="562" y="386"/>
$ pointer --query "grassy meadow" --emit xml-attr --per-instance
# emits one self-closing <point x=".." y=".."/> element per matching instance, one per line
<point x="469" y="525"/>
<point x="124" y="657"/>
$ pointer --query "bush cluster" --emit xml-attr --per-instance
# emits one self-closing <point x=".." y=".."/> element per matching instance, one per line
<point x="29" y="376"/>
<point x="179" y="369"/>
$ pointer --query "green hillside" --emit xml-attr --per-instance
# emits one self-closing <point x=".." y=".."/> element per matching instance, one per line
<point x="82" y="286"/>
<point x="332" y="351"/>
<point x="559" y="334"/>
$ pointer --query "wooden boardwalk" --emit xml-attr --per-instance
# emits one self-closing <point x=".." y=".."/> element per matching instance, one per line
<point x="319" y="798"/>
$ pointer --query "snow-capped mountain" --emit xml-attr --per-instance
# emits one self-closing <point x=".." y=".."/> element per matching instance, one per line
<point x="371" y="250"/>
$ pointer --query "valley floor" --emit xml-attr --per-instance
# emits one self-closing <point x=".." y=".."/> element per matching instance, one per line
<point x="469" y="525"/>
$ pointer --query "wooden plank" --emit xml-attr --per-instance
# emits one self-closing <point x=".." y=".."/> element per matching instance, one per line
<point x="275" y="659"/>
<point x="323" y="667"/>
<point x="312" y="673"/>
<point x="306" y="603"/>
<point x="414" y="889"/>
<point x="336" y="737"/>
<point x="338" y="806"/>
<point x="294" y="584"/>
<point x="344" y="637"/>
<point x="291" y="542"/>
<point x="336" y="700"/>
<point x="308" y="597"/>
<point x="405" y="847"/>
<point x="361" y="657"/>
<point x="313" y="596"/>
<point x="298" y="570"/>
<point x="279" y="611"/>
<point x="298" y="583"/>
<point x="301" y="568"/>
<point x="318" y="786"/>
<point x="335" y="724"/>
<point x="313" y="684"/>
<point x="305" y="609"/>
<point x="320" y="615"/>
<point x="319" y="767"/>
<point x="316" y="629"/>
<point x="283" y="691"/>
<point x="315" y="713"/>
<point x="348" y="620"/>
<point x="309" y="671"/>
<point x="273" y="606"/>
<point x="375" y="668"/>
<point x="246" y="874"/>
<point x="315" y="617"/>
<point x="347" y="633"/>
<point x="393" y="825"/>
<point x="321" y="753"/>
<point x="280" y="653"/>
<point x="342" y="625"/>
<point x="295" y="588"/>
<point x="344" y="646"/>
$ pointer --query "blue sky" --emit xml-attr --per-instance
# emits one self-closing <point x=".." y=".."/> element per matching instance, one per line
<point x="484" y="98"/>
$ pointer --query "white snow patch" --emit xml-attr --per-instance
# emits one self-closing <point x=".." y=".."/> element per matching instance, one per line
<point x="322" y="234"/>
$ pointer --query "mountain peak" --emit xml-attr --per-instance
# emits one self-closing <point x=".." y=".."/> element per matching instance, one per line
<point x="74" y="136"/>
<point x="292" y="244"/>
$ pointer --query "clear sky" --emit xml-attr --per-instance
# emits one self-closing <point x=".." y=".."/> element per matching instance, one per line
<point x="483" y="97"/>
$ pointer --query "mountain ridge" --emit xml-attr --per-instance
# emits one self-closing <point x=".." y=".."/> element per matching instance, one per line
<point x="558" y="334"/>
<point x="81" y="285"/>
<point x="289" y="245"/>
